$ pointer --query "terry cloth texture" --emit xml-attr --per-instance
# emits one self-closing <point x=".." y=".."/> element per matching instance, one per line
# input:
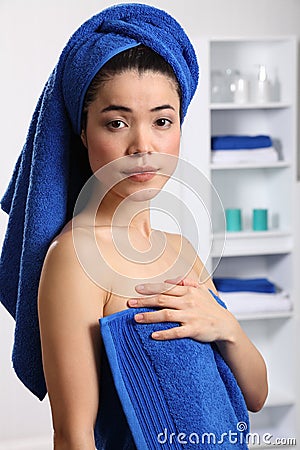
<point x="52" y="167"/>
<point x="236" y="142"/>
<point x="177" y="392"/>
<point x="227" y="284"/>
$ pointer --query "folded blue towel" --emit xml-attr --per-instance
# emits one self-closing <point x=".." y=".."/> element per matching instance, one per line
<point x="176" y="393"/>
<point x="53" y="167"/>
<point x="236" y="142"/>
<point x="249" y="285"/>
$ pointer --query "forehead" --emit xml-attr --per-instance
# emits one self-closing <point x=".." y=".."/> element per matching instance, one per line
<point x="138" y="87"/>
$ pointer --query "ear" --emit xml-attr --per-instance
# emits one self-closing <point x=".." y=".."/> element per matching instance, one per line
<point x="83" y="138"/>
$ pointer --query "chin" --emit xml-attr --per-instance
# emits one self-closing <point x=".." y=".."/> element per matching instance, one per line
<point x="144" y="195"/>
<point x="144" y="191"/>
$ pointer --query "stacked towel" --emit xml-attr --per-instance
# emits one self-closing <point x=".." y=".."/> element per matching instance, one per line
<point x="258" y="156"/>
<point x="53" y="166"/>
<point x="242" y="149"/>
<point x="257" y="303"/>
<point x="252" y="295"/>
<point x="237" y="142"/>
<point x="227" y="284"/>
<point x="175" y="393"/>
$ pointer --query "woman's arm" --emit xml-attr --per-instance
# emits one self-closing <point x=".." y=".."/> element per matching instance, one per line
<point x="70" y="305"/>
<point x="245" y="361"/>
<point x="247" y="366"/>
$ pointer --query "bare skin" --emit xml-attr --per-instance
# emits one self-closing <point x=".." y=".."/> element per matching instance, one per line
<point x="145" y="121"/>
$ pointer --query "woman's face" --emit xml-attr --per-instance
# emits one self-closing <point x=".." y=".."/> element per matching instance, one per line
<point x="133" y="128"/>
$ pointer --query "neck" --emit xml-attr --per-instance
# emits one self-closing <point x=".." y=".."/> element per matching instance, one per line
<point x="110" y="209"/>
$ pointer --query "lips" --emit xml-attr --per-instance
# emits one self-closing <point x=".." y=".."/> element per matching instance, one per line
<point x="140" y="170"/>
<point x="141" y="173"/>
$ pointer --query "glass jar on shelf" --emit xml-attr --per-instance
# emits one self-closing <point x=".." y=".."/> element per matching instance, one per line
<point x="228" y="86"/>
<point x="216" y="86"/>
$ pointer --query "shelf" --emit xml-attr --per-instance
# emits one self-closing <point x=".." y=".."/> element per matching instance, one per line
<point x="237" y="106"/>
<point x="265" y="316"/>
<point x="248" y="186"/>
<point x="278" y="400"/>
<point x="251" y="165"/>
<point x="252" y="243"/>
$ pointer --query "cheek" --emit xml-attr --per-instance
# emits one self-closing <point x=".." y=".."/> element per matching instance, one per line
<point x="178" y="141"/>
<point x="174" y="144"/>
<point x="100" y="152"/>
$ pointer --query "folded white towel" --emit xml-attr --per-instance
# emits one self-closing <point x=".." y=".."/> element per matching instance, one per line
<point x="256" y="302"/>
<point x="243" y="156"/>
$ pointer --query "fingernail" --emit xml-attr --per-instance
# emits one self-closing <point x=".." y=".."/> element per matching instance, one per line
<point x="132" y="302"/>
<point x="138" y="317"/>
<point x="155" y="335"/>
<point x="141" y="287"/>
<point x="178" y="279"/>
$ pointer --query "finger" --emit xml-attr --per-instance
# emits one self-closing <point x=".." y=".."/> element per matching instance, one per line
<point x="159" y="301"/>
<point x="183" y="282"/>
<point x="163" y="315"/>
<point x="177" y="280"/>
<point x="178" y="332"/>
<point x="190" y="282"/>
<point x="160" y="288"/>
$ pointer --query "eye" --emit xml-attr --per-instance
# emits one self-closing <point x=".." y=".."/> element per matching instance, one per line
<point x="116" y="124"/>
<point x="163" y="123"/>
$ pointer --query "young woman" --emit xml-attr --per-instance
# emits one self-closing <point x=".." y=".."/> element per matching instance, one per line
<point x="130" y="129"/>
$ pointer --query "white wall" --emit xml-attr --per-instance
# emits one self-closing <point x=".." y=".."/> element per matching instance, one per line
<point x="32" y="34"/>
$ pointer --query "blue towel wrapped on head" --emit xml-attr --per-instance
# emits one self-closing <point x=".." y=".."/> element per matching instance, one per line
<point x="53" y="166"/>
<point x="174" y="393"/>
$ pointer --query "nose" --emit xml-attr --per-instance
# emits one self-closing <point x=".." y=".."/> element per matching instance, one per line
<point x="140" y="142"/>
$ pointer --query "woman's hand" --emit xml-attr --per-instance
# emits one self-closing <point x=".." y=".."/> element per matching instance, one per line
<point x="202" y="318"/>
<point x="186" y="302"/>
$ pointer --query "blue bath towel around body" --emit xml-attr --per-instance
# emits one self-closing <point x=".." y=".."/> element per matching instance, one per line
<point x="176" y="394"/>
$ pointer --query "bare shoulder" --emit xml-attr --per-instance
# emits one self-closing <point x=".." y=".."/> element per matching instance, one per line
<point x="61" y="253"/>
<point x="63" y="275"/>
<point x="183" y="247"/>
<point x="178" y="241"/>
<point x="188" y="252"/>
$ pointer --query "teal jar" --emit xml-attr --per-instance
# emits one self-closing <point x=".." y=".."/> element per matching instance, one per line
<point x="260" y="219"/>
<point x="233" y="219"/>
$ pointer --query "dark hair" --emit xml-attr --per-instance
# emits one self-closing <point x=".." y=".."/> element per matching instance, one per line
<point x="139" y="58"/>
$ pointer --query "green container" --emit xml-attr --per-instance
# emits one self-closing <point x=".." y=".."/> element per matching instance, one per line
<point x="233" y="219"/>
<point x="260" y="219"/>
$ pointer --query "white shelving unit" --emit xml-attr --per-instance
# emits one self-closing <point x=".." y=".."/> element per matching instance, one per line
<point x="247" y="186"/>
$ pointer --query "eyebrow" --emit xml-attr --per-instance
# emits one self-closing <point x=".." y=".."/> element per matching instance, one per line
<point x="159" y="108"/>
<point x="116" y="108"/>
<point x="126" y="109"/>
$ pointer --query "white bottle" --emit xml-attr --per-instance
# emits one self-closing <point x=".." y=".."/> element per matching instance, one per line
<point x="263" y="86"/>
